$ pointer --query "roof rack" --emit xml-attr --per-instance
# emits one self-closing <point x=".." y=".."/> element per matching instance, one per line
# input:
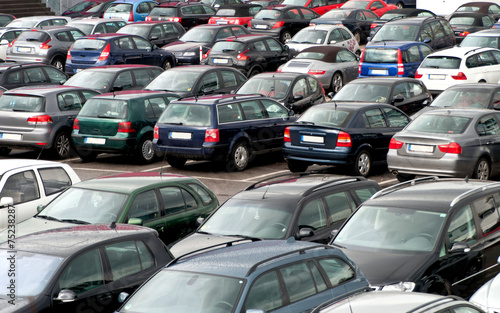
<point x="234" y="97"/>
<point x="435" y="303"/>
<point x="472" y="191"/>
<point x="399" y="186"/>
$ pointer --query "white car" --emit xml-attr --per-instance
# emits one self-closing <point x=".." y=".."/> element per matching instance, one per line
<point x="487" y="296"/>
<point x="459" y="65"/>
<point x="7" y="36"/>
<point x="31" y="183"/>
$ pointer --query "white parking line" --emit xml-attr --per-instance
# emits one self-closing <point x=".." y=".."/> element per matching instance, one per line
<point x="257" y="178"/>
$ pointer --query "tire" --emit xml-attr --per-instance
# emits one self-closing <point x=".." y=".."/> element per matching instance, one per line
<point x="5" y="151"/>
<point x="87" y="155"/>
<point x="285" y="35"/>
<point x="337" y="82"/>
<point x="58" y="63"/>
<point x="167" y="65"/>
<point x="482" y="169"/>
<point x="62" y="145"/>
<point x="405" y="177"/>
<point x="400" y="5"/>
<point x="239" y="157"/>
<point x="254" y="72"/>
<point x="357" y="35"/>
<point x="144" y="152"/>
<point x="297" y="166"/>
<point x="362" y="163"/>
<point x="176" y="162"/>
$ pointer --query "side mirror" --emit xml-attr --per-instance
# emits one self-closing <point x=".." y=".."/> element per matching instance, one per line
<point x="6" y="201"/>
<point x="4" y="42"/>
<point x="153" y="38"/>
<point x="135" y="221"/>
<point x="116" y="88"/>
<point x="330" y="95"/>
<point x="66" y="295"/>
<point x="122" y="297"/>
<point x="460" y="247"/>
<point x="209" y="90"/>
<point x="427" y="40"/>
<point x="40" y="208"/>
<point x="397" y="99"/>
<point x="373" y="8"/>
<point x="200" y="220"/>
<point x="305" y="232"/>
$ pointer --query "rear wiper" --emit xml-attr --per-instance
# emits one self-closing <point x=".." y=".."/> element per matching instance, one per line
<point x="74" y="221"/>
<point x="105" y="116"/>
<point x="307" y="122"/>
<point x="179" y="123"/>
<point x="227" y="50"/>
<point x="50" y="218"/>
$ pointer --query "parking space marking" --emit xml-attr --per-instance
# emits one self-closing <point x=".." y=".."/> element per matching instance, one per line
<point x="257" y="178"/>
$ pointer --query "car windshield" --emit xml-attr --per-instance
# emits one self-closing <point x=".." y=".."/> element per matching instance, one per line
<point x="88" y="44"/>
<point x="198" y="34"/>
<point x="445" y="62"/>
<point x="325" y="117"/>
<point x="467" y="8"/>
<point x="90" y="79"/>
<point x="380" y="55"/>
<point x="81" y="6"/>
<point x="174" y="80"/>
<point x="391" y="32"/>
<point x="86" y="206"/>
<point x="439" y="124"/>
<point x="21" y="103"/>
<point x="378" y="228"/>
<point x="105" y="108"/>
<point x="158" y="11"/>
<point x="363" y="92"/>
<point x="228" y="46"/>
<point x="120" y="8"/>
<point x="477" y="97"/>
<point x="179" y="292"/>
<point x="270" y="87"/>
<point x="96" y="8"/>
<point x="187" y="115"/>
<point x="249" y="218"/>
<point x="134" y="30"/>
<point x="480" y="41"/>
<point x="22" y="23"/>
<point x="356" y="4"/>
<point x="310" y="36"/>
<point x="336" y="14"/>
<point x="33" y="272"/>
<point x="85" y="28"/>
<point x="294" y="2"/>
<point x="268" y="14"/>
<point x="462" y="20"/>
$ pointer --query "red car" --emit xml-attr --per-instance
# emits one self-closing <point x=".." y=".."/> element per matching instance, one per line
<point x="318" y="6"/>
<point x="378" y="7"/>
<point x="239" y="14"/>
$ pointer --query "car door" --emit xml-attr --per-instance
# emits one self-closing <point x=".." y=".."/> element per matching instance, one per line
<point x="157" y="35"/>
<point x="209" y="83"/>
<point x="256" y="126"/>
<point x="294" y="20"/>
<point x="279" y="118"/>
<point x="301" y="95"/>
<point x="275" y="54"/>
<point x="488" y="131"/>
<point x="409" y="97"/>
<point x="145" y="51"/>
<point x="128" y="53"/>
<point x="491" y="68"/>
<point x="366" y="23"/>
<point x="172" y="33"/>
<point x="145" y="209"/>
<point x="349" y="63"/>
<point x="438" y="40"/>
<point x="376" y="132"/>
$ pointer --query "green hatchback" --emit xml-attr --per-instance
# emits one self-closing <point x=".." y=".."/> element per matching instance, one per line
<point x="169" y="203"/>
<point x="120" y="122"/>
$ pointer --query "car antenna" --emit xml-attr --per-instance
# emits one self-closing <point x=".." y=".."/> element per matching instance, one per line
<point x="112" y="225"/>
<point x="466" y="178"/>
<point x="162" y="163"/>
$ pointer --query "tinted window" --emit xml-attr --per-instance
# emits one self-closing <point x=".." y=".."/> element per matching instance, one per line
<point x="142" y="77"/>
<point x="173" y="200"/>
<point x="229" y="78"/>
<point x="274" y="45"/>
<point x="21" y="187"/>
<point x="83" y="273"/>
<point x="68" y="101"/>
<point x="340" y="206"/>
<point x="127" y="258"/>
<point x="206" y="198"/>
<point x="124" y="80"/>
<point x="265" y="293"/>
<point x="486" y="210"/>
<point x="145" y="206"/>
<point x="154" y="107"/>
<point x="229" y="113"/>
<point x="462" y="227"/>
<point x="34" y="75"/>
<point x="299" y="283"/>
<point x="252" y="110"/>
<point x="308" y="15"/>
<point x="488" y="126"/>
<point x="337" y="270"/>
<point x="374" y="118"/>
<point x="395" y="118"/>
<point x="54" y="180"/>
<point x="210" y="82"/>
<point x="274" y="109"/>
<point x="437" y="29"/>
<point x="55" y="76"/>
<point x="313" y="215"/>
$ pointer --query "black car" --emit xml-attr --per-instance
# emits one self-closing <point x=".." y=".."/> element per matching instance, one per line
<point x="6" y="19"/>
<point x="189" y="14"/>
<point x="469" y="22"/>
<point x="426" y="235"/>
<point x="189" y="81"/>
<point x="14" y="75"/>
<point x="342" y="134"/>
<point x="408" y="94"/>
<point x="202" y="37"/>
<point x="159" y="33"/>
<point x="358" y="21"/>
<point x="306" y="206"/>
<point x="77" y="268"/>
<point x="397" y="14"/>
<point x="281" y="21"/>
<point x="251" y="54"/>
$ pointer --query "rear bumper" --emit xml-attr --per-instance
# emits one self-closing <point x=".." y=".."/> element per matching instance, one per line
<point x="208" y="151"/>
<point x="111" y="144"/>
<point x="319" y="156"/>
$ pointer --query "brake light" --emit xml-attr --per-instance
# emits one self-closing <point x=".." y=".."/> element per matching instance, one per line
<point x="11" y="43"/>
<point x="175" y="19"/>
<point x="148" y="19"/>
<point x="344" y="139"/>
<point x="395" y="144"/>
<point x="76" y="124"/>
<point x="279" y="70"/>
<point x="401" y="68"/>
<point x="212" y="135"/>
<point x="125" y="127"/>
<point x="156" y="132"/>
<point x="205" y="55"/>
<point x="452" y="147"/>
<point x="249" y="24"/>
<point x="131" y="16"/>
<point x="418" y="75"/>
<point x="236" y="21"/>
<point x="373" y="25"/>
<point x="68" y="55"/>
<point x="40" y="120"/>
<point x="361" y="61"/>
<point x="286" y="136"/>
<point x="312" y="24"/>
<point x="463" y="34"/>
<point x="104" y="54"/>
<point x="45" y="45"/>
<point x="316" y="72"/>
<point x="278" y="24"/>
<point x="459" y="76"/>
<point x="242" y="56"/>
<point x="211" y="21"/>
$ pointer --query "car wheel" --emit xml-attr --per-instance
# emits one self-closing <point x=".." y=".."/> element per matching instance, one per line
<point x="285" y="35"/>
<point x="5" y="151"/>
<point x="144" y="152"/>
<point x="357" y="36"/>
<point x="167" y="65"/>
<point x="400" y="5"/>
<point x="405" y="177"/>
<point x="297" y="166"/>
<point x="253" y="72"/>
<point x="482" y="169"/>
<point x="239" y="157"/>
<point x="86" y="155"/>
<point x="62" y="145"/>
<point x="337" y="82"/>
<point x="58" y="63"/>
<point x="362" y="163"/>
<point x="176" y="162"/>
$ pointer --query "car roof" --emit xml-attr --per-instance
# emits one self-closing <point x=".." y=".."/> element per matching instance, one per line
<point x="41" y="90"/>
<point x="458" y="51"/>
<point x="46" y="17"/>
<point x="282" y="7"/>
<point x="474" y="85"/>
<point x="383" y="80"/>
<point x="130" y="94"/>
<point x="199" y="68"/>
<point x="329" y="52"/>
<point x="95" y="20"/>
<point x="469" y="112"/>
<point x="325" y="26"/>
<point x="119" y="67"/>
<point x="493" y="32"/>
<point x="414" y="20"/>
<point x="245" y="37"/>
<point x="179" y="4"/>
<point x="279" y="75"/>
<point x="395" y="44"/>
<point x="219" y="99"/>
<point x="407" y="10"/>
<point x="11" y="164"/>
<point x="8" y="65"/>
<point x="473" y="14"/>
<point x="107" y="36"/>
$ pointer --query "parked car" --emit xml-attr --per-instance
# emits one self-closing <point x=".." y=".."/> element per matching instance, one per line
<point x="358" y="21"/>
<point x="332" y="66"/>
<point x="98" y="10"/>
<point x="465" y="23"/>
<point x="168" y="203"/>
<point x="120" y="122"/>
<point x="397" y="14"/>
<point x="109" y="49"/>
<point x="435" y="31"/>
<point x="90" y="26"/>
<point x="296" y="91"/>
<point x="198" y="80"/>
<point x="435" y="241"/>
<point x="485" y="7"/>
<point x="449" y="143"/>
<point x="6" y="19"/>
<point x="485" y="297"/>
<point x="488" y="38"/>
<point x="251" y="54"/>
<point x="87" y="268"/>
<point x="393" y="58"/>
<point x="216" y="128"/>
<point x="48" y="45"/>
<point x="305" y="206"/>
<point x="378" y="7"/>
<point x="80" y="9"/>
<point x="113" y="77"/>
<point x="40" y="118"/>
<point x="189" y="14"/>
<point x="130" y="10"/>
<point x="344" y="134"/>
<point x="408" y="94"/>
<point x="279" y="276"/>
<point x="31" y="183"/>
<point x="217" y="3"/>
<point x="459" y="65"/>
<point x="158" y="33"/>
<point x="239" y="14"/>
<point x="281" y="21"/>
<point x="323" y="35"/>
<point x="14" y="75"/>
<point x="403" y="3"/>
<point x="30" y="22"/>
<point x="264" y="3"/>
<point x="199" y="40"/>
<point x="7" y="35"/>
<point x="318" y="6"/>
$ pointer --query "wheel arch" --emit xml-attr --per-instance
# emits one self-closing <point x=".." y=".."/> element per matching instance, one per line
<point x="240" y="137"/>
<point x="143" y="132"/>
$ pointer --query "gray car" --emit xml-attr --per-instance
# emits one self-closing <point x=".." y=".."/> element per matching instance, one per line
<point x="40" y="117"/>
<point x="90" y="26"/>
<point x="48" y="45"/>
<point x="38" y="21"/>
<point x="449" y="143"/>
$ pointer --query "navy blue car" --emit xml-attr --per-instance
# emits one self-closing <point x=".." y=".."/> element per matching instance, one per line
<point x="110" y="49"/>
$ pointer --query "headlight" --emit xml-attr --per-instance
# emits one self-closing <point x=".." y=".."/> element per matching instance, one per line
<point x="189" y="54"/>
<point x="402" y="286"/>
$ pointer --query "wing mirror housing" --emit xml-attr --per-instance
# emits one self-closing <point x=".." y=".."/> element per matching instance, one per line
<point x="135" y="221"/>
<point x="66" y="295"/>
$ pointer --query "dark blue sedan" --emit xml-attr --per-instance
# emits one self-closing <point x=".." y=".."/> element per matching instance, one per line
<point x="109" y="49"/>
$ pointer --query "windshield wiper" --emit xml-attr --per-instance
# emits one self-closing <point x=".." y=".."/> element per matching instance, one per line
<point x="74" y="221"/>
<point x="50" y="218"/>
<point x="244" y="237"/>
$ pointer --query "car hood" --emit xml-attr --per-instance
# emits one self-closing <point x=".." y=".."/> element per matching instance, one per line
<point x="19" y="305"/>
<point x="183" y="46"/>
<point x="34" y="225"/>
<point x="198" y="241"/>
<point x="487" y="295"/>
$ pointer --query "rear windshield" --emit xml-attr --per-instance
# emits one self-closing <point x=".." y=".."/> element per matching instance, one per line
<point x="186" y="115"/>
<point x="105" y="108"/>
<point x="356" y="4"/>
<point x="463" y="97"/>
<point x="326" y="117"/>
<point x="467" y="9"/>
<point x="268" y="14"/>
<point x="337" y="14"/>
<point x="442" y="124"/>
<point x="134" y="30"/>
<point x="441" y="62"/>
<point x="388" y="16"/>
<point x="174" y="80"/>
<point x="463" y="20"/>
<point x="199" y="35"/>
<point x="310" y="55"/>
<point x="81" y="6"/>
<point x="169" y="12"/>
<point x="89" y="44"/>
<point x="20" y="23"/>
<point x="120" y="8"/>
<point x="380" y="55"/>
<point x="309" y="36"/>
<point x="228" y="46"/>
<point x="33" y="36"/>
<point x="479" y="41"/>
<point x="294" y="2"/>
<point x="21" y="103"/>
<point x="226" y="12"/>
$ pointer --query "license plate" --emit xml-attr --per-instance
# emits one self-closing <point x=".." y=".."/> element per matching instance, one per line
<point x="23" y="49"/>
<point x="420" y="148"/>
<point x="261" y="26"/>
<point x="178" y="135"/>
<point x="11" y="136"/>
<point x="96" y="141"/>
<point x="223" y="22"/>
<point x="313" y="139"/>
<point x="220" y="61"/>
<point x="379" y="72"/>
<point x="437" y="76"/>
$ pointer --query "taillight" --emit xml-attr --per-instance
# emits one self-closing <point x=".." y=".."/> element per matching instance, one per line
<point x="156" y="132"/>
<point x="68" y="55"/>
<point x="344" y="139"/>
<point x="242" y="56"/>
<point x="205" y="55"/>
<point x="361" y="61"/>
<point x="312" y="24"/>
<point x="125" y="127"/>
<point x="459" y="76"/>
<point x="373" y="25"/>
<point x="212" y="135"/>
<point x="131" y="16"/>
<point x="76" y="124"/>
<point x="40" y="120"/>
<point x="175" y="19"/>
<point x="463" y="34"/>
<point x="11" y="43"/>
<point x="249" y="24"/>
<point x="395" y="144"/>
<point x="401" y="68"/>
<point x="45" y="45"/>
<point x="418" y="75"/>
<point x="278" y="24"/>
<point x="316" y="72"/>
<point x="452" y="147"/>
<point x="104" y="54"/>
<point x="211" y="21"/>
<point x="286" y="136"/>
<point x="148" y="19"/>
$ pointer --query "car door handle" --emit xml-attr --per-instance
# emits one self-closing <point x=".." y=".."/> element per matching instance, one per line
<point x="104" y="297"/>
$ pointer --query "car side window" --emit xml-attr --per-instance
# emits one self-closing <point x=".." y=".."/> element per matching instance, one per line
<point x="493" y="9"/>
<point x="128" y="258"/>
<point x="360" y="16"/>
<point x="437" y="29"/>
<point x="426" y="32"/>
<point x="415" y="89"/>
<point x="124" y="80"/>
<point x="274" y="109"/>
<point x="313" y="84"/>
<point x="345" y="34"/>
<point x="142" y="77"/>
<point x="157" y="31"/>
<point x="401" y="90"/>
<point x="44" y="23"/>
<point x="340" y="205"/>
<point x="198" y="10"/>
<point x="335" y="36"/>
<point x="274" y="45"/>
<point x="223" y="33"/>
<point x="496" y="55"/>
<point x="369" y="16"/>
<point x="448" y="29"/>
<point x="462" y="227"/>
<point x="487" y="21"/>
<point x="377" y="5"/>
<point x="58" y="21"/>
<point x="308" y="15"/>
<point x="252" y="110"/>
<point x="9" y="36"/>
<point x="173" y="200"/>
<point x="365" y="193"/>
<point x="374" y="118"/>
<point x="54" y="180"/>
<point x="187" y="10"/>
<point x="112" y="27"/>
<point x="292" y="14"/>
<point x="238" y="31"/>
<point x="210" y="82"/>
<point x="22" y="187"/>
<point x="486" y="59"/>
<point x="34" y="75"/>
<point x="63" y="36"/>
<point x="142" y="44"/>
<point x="87" y="94"/>
<point x="68" y="101"/>
<point x="313" y="215"/>
<point x="265" y="293"/>
<point x="298" y="281"/>
<point x="100" y="29"/>
<point x="487" y="126"/>
<point x="55" y="76"/>
<point x="345" y="56"/>
<point x="206" y="198"/>
<point x="84" y="273"/>
<point x="396" y="118"/>
<point x="300" y="88"/>
<point x="145" y="206"/>
<point x="413" y="55"/>
<point x="229" y="113"/>
<point x="143" y="8"/>
<point x="426" y="51"/>
<point x="486" y="210"/>
<point x="209" y="10"/>
<point x="229" y="78"/>
<point x="154" y="107"/>
<point x="260" y="46"/>
<point x="337" y="270"/>
<point x="170" y="29"/>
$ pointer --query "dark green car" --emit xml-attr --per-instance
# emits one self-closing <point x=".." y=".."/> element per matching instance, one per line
<point x="169" y="203"/>
<point x="120" y="122"/>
